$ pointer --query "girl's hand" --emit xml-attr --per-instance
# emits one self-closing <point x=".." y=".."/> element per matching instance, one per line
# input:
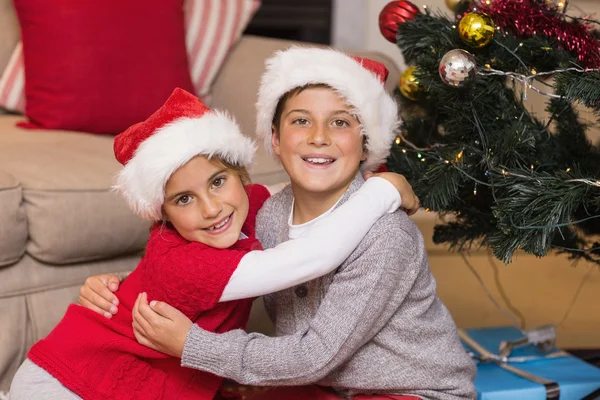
<point x="159" y="326"/>
<point x="410" y="201"/>
<point x="97" y="294"/>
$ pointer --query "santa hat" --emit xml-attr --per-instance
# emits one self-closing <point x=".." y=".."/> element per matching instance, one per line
<point x="359" y="81"/>
<point x="181" y="129"/>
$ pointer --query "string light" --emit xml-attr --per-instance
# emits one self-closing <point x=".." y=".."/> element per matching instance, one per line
<point x="527" y="79"/>
<point x="568" y="169"/>
<point x="459" y="156"/>
<point x="398" y="140"/>
<point x="404" y="151"/>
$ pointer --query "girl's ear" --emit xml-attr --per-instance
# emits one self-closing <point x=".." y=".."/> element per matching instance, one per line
<point x="275" y="139"/>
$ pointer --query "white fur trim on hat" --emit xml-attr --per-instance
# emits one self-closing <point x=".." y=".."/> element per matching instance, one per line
<point x="360" y="88"/>
<point x="142" y="180"/>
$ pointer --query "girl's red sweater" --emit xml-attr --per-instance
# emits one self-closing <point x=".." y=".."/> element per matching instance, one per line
<point x="100" y="359"/>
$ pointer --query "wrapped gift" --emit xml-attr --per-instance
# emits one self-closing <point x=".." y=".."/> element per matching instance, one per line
<point x="526" y="371"/>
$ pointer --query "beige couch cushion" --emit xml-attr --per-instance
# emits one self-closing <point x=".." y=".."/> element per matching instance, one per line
<point x="73" y="215"/>
<point x="13" y="222"/>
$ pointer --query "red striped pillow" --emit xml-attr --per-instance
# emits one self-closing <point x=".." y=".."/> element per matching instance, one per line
<point x="211" y="28"/>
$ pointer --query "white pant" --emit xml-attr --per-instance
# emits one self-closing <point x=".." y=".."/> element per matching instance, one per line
<point x="32" y="382"/>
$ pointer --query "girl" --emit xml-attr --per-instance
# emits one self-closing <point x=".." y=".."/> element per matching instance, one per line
<point x="184" y="169"/>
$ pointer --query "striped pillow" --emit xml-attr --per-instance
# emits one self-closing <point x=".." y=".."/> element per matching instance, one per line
<point x="211" y="28"/>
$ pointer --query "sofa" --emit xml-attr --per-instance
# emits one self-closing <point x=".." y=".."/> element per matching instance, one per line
<point x="61" y="223"/>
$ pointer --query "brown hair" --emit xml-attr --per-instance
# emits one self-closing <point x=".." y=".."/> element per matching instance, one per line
<point x="295" y="91"/>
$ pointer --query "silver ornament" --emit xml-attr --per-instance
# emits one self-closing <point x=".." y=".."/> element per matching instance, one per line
<point x="457" y="68"/>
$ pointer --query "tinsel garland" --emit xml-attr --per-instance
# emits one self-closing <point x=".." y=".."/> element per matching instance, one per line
<point x="527" y="18"/>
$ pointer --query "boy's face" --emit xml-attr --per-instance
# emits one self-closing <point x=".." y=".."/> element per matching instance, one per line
<point x="206" y="203"/>
<point x="319" y="142"/>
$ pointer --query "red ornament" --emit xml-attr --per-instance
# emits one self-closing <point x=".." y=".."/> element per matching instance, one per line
<point x="394" y="14"/>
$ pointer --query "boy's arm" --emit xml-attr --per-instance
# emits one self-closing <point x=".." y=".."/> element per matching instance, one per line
<point x="358" y="303"/>
<point x="318" y="251"/>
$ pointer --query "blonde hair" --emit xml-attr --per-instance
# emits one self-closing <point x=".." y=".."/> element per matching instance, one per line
<point x="238" y="169"/>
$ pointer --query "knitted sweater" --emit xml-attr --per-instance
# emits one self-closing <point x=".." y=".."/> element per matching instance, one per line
<point x="101" y="359"/>
<point x="375" y="325"/>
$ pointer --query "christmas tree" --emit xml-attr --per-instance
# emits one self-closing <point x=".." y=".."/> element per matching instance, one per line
<point x="500" y="176"/>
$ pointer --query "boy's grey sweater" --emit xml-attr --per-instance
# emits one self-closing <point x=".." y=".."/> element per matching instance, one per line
<point x="373" y="325"/>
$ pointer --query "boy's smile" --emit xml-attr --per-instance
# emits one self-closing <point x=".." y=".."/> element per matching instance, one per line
<point x="319" y="143"/>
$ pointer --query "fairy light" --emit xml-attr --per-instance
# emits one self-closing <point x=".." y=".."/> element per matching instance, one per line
<point x="568" y="169"/>
<point x="533" y="72"/>
<point x="398" y="140"/>
<point x="488" y="66"/>
<point x="404" y="151"/>
<point x="531" y="166"/>
<point x="422" y="159"/>
<point x="504" y="172"/>
<point x="447" y="162"/>
<point x="459" y="156"/>
<point x="419" y="155"/>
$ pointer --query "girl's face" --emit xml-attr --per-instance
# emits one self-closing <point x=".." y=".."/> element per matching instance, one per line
<point x="206" y="203"/>
<point x="319" y="141"/>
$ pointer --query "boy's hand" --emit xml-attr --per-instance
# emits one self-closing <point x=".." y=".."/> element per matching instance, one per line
<point x="97" y="294"/>
<point x="160" y="326"/>
<point x="410" y="201"/>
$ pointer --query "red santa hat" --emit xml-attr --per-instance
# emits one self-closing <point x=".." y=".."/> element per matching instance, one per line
<point x="359" y="81"/>
<point x="181" y="129"/>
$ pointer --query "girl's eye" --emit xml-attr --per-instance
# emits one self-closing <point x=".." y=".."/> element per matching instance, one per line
<point x="183" y="200"/>
<point x="218" y="182"/>
<point x="340" y="123"/>
<point x="300" y="121"/>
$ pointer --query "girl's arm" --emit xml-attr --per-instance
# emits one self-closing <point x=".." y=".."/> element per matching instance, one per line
<point x="319" y="250"/>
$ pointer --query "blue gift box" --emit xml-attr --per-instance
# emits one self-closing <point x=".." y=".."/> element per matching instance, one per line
<point x="575" y="378"/>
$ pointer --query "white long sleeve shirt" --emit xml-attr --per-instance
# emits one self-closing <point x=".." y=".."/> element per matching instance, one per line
<point x="319" y="246"/>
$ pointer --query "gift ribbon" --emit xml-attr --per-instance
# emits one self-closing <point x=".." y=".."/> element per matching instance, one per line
<point x="552" y="387"/>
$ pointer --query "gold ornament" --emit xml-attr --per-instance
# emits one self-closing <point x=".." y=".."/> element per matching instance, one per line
<point x="477" y="29"/>
<point x="453" y="4"/>
<point x="558" y="4"/>
<point x="409" y="84"/>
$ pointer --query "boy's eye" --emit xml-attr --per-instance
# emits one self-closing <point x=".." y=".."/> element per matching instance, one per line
<point x="340" y="123"/>
<point x="300" y="121"/>
<point x="218" y="182"/>
<point x="183" y="200"/>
